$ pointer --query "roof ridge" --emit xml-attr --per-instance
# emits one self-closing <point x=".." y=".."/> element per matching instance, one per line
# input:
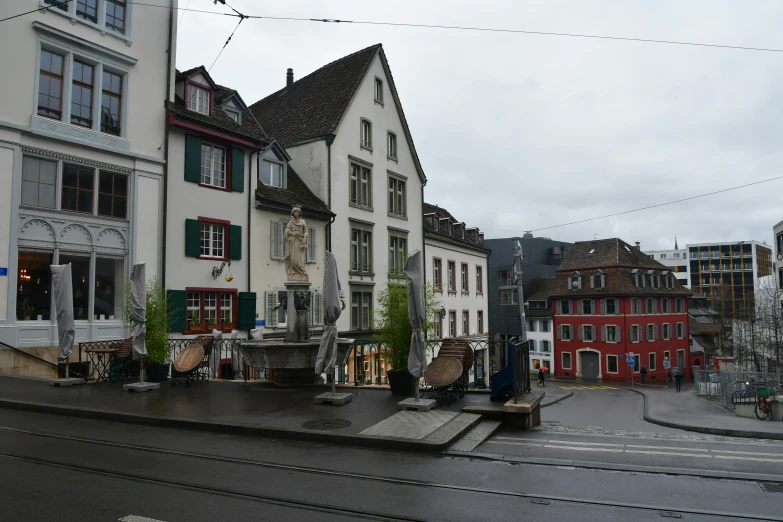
<point x="330" y="64"/>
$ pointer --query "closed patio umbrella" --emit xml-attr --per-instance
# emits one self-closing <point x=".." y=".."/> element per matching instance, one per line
<point x="138" y="311"/>
<point x="62" y="288"/>
<point x="417" y="358"/>
<point x="327" y="351"/>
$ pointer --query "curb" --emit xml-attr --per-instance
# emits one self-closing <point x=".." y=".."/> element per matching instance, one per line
<point x="555" y="401"/>
<point x="661" y="470"/>
<point x="744" y="434"/>
<point x="364" y="441"/>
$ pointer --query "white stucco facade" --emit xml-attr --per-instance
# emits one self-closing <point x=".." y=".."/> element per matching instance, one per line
<point x="326" y="169"/>
<point x="777" y="252"/>
<point x="677" y="260"/>
<point x="75" y="186"/>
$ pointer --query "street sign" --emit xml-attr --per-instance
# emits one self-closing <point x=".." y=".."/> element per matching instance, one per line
<point x="621" y="356"/>
<point x="666" y="364"/>
<point x="631" y="361"/>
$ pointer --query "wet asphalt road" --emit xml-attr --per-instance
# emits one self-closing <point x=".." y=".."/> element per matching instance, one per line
<point x="61" y="468"/>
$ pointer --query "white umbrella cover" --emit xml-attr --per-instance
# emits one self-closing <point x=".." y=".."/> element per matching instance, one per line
<point x="62" y="288"/>
<point x="417" y="358"/>
<point x="138" y="311"/>
<point x="327" y="351"/>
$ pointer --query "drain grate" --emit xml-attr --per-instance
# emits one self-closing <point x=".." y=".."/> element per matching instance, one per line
<point x="772" y="487"/>
<point x="326" y="424"/>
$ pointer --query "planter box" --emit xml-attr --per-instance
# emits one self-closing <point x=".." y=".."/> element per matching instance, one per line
<point x="401" y="383"/>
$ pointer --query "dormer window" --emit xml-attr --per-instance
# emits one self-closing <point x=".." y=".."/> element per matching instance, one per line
<point x="198" y="99"/>
<point x="598" y="280"/>
<point x="638" y="278"/>
<point x="234" y="115"/>
<point x="575" y="282"/>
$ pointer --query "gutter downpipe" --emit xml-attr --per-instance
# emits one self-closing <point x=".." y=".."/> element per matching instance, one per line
<point x="166" y="150"/>
<point x="424" y="241"/>
<point x="329" y="140"/>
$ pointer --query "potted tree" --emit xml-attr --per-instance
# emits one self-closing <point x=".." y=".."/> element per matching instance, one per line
<point x="393" y="333"/>
<point x="27" y="309"/>
<point x="159" y="317"/>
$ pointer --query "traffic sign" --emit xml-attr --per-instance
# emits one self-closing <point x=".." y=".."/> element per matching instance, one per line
<point x="666" y="364"/>
<point x="631" y="361"/>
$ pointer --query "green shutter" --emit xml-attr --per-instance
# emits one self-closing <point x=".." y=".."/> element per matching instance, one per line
<point x="235" y="242"/>
<point x="192" y="238"/>
<point x="175" y="300"/>
<point x="237" y="170"/>
<point x="192" y="158"/>
<point x="247" y="310"/>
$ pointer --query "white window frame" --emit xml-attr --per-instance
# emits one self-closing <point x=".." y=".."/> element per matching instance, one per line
<point x="666" y="331"/>
<point x="391" y="146"/>
<point x="378" y="90"/>
<point x="360" y="184"/>
<point x="465" y="322"/>
<point x="615" y="328"/>
<point x="200" y="102"/>
<point x="100" y="25"/>
<point x="464" y="278"/>
<point x="398" y="196"/>
<point x="638" y="329"/>
<point x="398" y="253"/>
<point x="651" y="338"/>
<point x="615" y="303"/>
<point x="588" y="328"/>
<point x="668" y="305"/>
<point x="213" y="172"/>
<point x="269" y="166"/>
<point x="616" y="364"/>
<point x="570" y="306"/>
<point x="364" y="308"/>
<point x="679" y="329"/>
<point x="452" y="323"/>
<point x="562" y="361"/>
<point x="365" y="134"/>
<point x="566" y="328"/>
<point x="591" y="302"/>
<point x="215" y="232"/>
<point x="361" y="249"/>
<point x="652" y="361"/>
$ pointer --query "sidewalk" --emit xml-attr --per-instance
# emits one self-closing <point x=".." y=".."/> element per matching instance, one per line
<point x="253" y="409"/>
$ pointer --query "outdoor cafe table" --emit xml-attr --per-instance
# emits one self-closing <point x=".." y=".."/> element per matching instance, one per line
<point x="100" y="363"/>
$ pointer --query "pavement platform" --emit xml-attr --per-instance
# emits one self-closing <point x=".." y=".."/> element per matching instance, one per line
<point x="687" y="411"/>
<point x="371" y="419"/>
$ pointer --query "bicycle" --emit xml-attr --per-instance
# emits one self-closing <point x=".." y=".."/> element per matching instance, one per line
<point x="763" y="407"/>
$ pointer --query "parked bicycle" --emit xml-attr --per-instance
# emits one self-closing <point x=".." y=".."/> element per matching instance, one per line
<point x="763" y="407"/>
<point x="745" y="395"/>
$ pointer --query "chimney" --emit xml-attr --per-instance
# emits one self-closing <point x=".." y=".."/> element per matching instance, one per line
<point x="638" y="246"/>
<point x="289" y="78"/>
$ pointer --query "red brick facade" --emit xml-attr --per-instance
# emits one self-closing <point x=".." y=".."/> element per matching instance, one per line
<point x="611" y="300"/>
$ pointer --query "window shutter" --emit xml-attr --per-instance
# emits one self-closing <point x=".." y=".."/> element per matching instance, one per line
<point x="237" y="170"/>
<point x="176" y="304"/>
<point x="192" y="238"/>
<point x="558" y="308"/>
<point x="595" y="333"/>
<point x="310" y="254"/>
<point x="271" y="316"/>
<point x="618" y="337"/>
<point x="265" y="174"/>
<point x="275" y="240"/>
<point x="559" y="333"/>
<point x="192" y="158"/>
<point x="235" y="245"/>
<point x="319" y="308"/>
<point x="579" y="329"/>
<point x="285" y="176"/>
<point x="603" y="334"/>
<point x="643" y="333"/>
<point x="532" y="345"/>
<point x="592" y="281"/>
<point x="630" y="333"/>
<point x="579" y="306"/>
<point x="247" y="310"/>
<point x="593" y="304"/>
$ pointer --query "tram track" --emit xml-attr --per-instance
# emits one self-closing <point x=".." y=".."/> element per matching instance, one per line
<point x="534" y="498"/>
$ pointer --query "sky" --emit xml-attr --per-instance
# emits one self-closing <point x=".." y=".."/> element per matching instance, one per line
<point x="521" y="132"/>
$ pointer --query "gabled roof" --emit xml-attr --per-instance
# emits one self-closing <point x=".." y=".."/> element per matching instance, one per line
<point x="542" y="289"/>
<point x="454" y="237"/>
<point x="608" y="253"/>
<point x="220" y="120"/>
<point x="296" y="193"/>
<point x="312" y="107"/>
<point x="179" y="76"/>
<point x="223" y="93"/>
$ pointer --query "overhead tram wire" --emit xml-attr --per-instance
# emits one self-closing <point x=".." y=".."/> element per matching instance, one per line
<point x="237" y="14"/>
<point x="241" y="19"/>
<point x="643" y="208"/>
<point x="39" y="9"/>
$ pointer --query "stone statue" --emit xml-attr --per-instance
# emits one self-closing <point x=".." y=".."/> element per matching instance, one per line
<point x="296" y="246"/>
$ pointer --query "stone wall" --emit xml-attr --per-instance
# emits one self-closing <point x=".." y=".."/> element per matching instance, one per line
<point x="13" y="363"/>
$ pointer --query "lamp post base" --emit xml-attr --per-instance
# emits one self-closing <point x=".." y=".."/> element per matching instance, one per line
<point x="141" y="386"/>
<point x="66" y="382"/>
<point x="337" y="399"/>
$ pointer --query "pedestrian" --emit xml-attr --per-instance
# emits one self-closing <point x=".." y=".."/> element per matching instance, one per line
<point x="678" y="379"/>
<point x="541" y="377"/>
<point x="644" y="374"/>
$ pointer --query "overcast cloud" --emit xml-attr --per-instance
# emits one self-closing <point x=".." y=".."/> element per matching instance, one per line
<point x="519" y="132"/>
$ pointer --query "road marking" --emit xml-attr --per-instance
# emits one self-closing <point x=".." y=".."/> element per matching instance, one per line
<point x="669" y="453"/>
<point x="736" y="457"/>
<point x="577" y="448"/>
<point x="587" y="388"/>
<point x="514" y="443"/>
<point x="136" y="518"/>
<point x="584" y="443"/>
<point x="756" y="453"/>
<point x="663" y="448"/>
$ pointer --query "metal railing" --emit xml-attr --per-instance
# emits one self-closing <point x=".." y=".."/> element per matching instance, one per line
<point x="731" y="388"/>
<point x="522" y="372"/>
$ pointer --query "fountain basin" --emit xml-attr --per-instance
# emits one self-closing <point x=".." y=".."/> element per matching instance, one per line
<point x="293" y="362"/>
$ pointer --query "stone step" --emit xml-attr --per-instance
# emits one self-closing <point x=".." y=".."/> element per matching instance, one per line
<point x="478" y="434"/>
<point x="453" y="429"/>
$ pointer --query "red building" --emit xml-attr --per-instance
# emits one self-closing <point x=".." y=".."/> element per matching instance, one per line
<point x="611" y="300"/>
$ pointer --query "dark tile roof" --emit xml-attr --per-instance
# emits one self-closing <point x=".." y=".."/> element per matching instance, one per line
<point x="223" y="93"/>
<point x="296" y="192"/>
<point x="542" y="289"/>
<point x="219" y="119"/>
<point x="312" y="107"/>
<point x="697" y="327"/>
<point x="619" y="281"/>
<point x="608" y="253"/>
<point x="455" y="237"/>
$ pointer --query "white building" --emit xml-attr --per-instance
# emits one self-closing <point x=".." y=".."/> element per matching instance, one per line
<point x="538" y="314"/>
<point x="456" y="267"/>
<point x="81" y="132"/>
<point x="345" y="131"/>
<point x="677" y="260"/>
